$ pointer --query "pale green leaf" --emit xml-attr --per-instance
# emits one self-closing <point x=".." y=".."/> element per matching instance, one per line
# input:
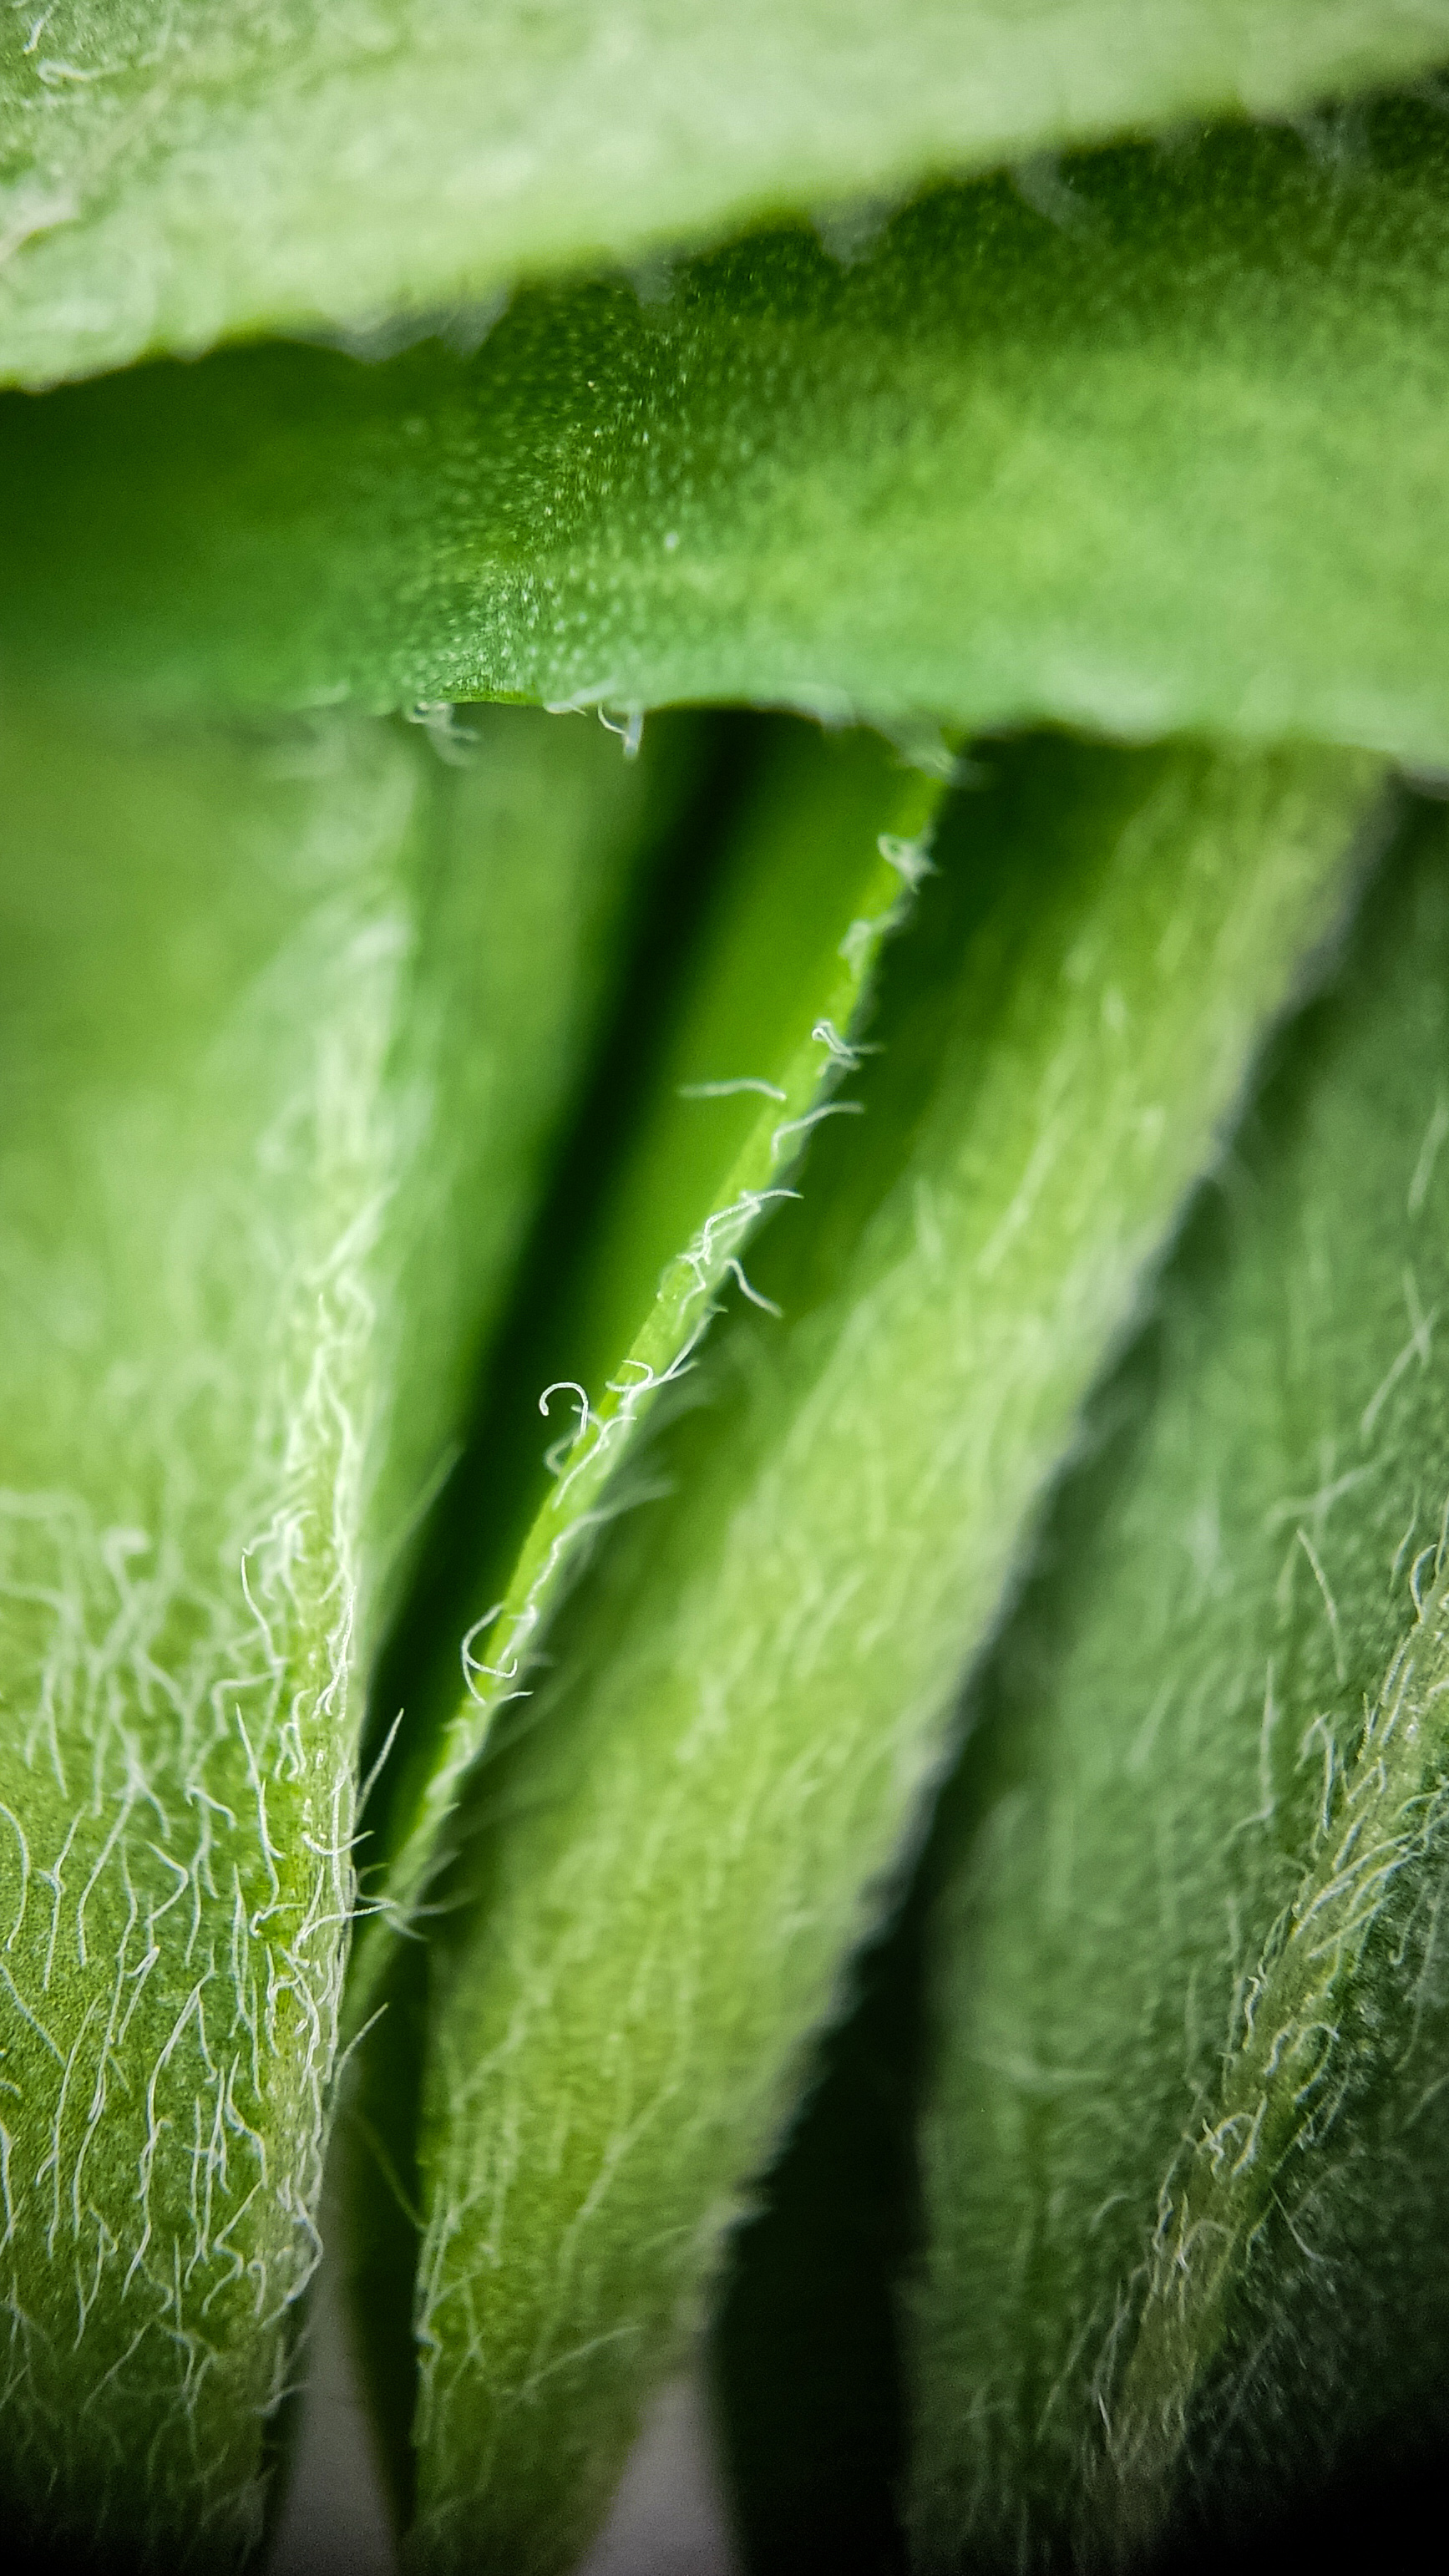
<point x="668" y="1855"/>
<point x="836" y="835"/>
<point x="173" y="177"/>
<point x="287" y="1018"/>
<point x="1186" y="2138"/>
<point x="1168" y="455"/>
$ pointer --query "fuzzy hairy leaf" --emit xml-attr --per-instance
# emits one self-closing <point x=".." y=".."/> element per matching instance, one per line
<point x="170" y="178"/>
<point x="666" y="1861"/>
<point x="1166" y="456"/>
<point x="288" y="1019"/>
<point x="764" y="1024"/>
<point x="1185" y="2141"/>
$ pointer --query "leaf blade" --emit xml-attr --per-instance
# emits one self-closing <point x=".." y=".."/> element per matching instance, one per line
<point x="166" y="186"/>
<point x="835" y="838"/>
<point x="1233" y="1691"/>
<point x="233" y="966"/>
<point x="1177" y="469"/>
<point x="669" y="1861"/>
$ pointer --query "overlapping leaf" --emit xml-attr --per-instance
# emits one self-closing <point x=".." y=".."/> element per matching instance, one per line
<point x="1185" y="2141"/>
<point x="169" y="178"/>
<point x="666" y="1863"/>
<point x="258" y="1202"/>
<point x="1151" y="441"/>
<point x="764" y="1029"/>
<point x="1167" y="455"/>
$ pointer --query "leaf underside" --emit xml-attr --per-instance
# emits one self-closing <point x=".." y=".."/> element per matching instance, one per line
<point x="169" y="179"/>
<point x="1165" y="457"/>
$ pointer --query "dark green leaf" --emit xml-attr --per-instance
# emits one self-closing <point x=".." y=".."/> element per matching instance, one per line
<point x="1185" y="2146"/>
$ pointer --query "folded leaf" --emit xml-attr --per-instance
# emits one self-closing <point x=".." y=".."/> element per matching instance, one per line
<point x="1186" y="2138"/>
<point x="764" y="1027"/>
<point x="166" y="182"/>
<point x="1167" y="455"/>
<point x="667" y="1859"/>
<point x="288" y="1018"/>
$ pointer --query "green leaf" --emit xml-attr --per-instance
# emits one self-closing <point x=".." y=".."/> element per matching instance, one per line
<point x="1174" y="460"/>
<point x="1185" y="2141"/>
<point x="667" y="1857"/>
<point x="167" y="181"/>
<point x="764" y="1027"/>
<point x="287" y="1017"/>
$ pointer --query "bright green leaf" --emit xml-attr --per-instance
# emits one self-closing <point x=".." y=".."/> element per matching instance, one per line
<point x="288" y="1019"/>
<point x="1185" y="2143"/>
<point x="1173" y="460"/>
<point x="169" y="178"/>
<point x="669" y="1854"/>
<point x="836" y="835"/>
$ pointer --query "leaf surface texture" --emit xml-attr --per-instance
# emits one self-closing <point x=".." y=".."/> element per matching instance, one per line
<point x="277" y="1090"/>
<point x="170" y="177"/>
<point x="1172" y="461"/>
<point x="763" y="1027"/>
<point x="1187" y="2114"/>
<point x="666" y="1859"/>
